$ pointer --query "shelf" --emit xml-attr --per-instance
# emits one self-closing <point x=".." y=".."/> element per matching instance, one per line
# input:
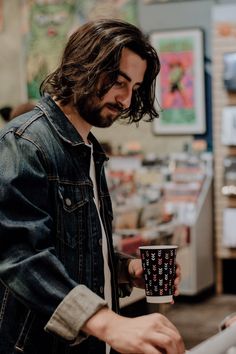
<point x="220" y="100"/>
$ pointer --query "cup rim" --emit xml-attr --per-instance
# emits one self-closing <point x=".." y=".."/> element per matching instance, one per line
<point x="158" y="247"/>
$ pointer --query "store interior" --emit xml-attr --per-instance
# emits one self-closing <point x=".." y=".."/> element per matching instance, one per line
<point x="172" y="181"/>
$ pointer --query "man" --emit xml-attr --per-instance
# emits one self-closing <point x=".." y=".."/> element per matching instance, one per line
<point x="60" y="276"/>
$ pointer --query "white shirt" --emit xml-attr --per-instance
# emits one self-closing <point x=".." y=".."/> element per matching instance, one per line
<point x="107" y="273"/>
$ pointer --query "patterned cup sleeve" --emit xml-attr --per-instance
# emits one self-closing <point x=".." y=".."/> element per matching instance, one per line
<point x="159" y="271"/>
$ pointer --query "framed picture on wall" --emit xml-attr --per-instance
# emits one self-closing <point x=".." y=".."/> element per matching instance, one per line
<point x="180" y="88"/>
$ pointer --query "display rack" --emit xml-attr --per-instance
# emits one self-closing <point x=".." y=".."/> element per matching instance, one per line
<point x="223" y="41"/>
<point x="196" y="260"/>
<point x="188" y="196"/>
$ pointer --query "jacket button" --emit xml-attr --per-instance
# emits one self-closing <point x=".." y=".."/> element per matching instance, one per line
<point x="100" y="241"/>
<point x="68" y="202"/>
<point x="101" y="289"/>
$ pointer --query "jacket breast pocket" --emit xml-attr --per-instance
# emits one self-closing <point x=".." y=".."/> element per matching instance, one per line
<point x="73" y="200"/>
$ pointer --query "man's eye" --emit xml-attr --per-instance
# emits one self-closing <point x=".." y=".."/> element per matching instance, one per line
<point x="119" y="84"/>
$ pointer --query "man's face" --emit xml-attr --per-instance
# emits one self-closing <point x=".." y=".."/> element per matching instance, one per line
<point x="103" y="112"/>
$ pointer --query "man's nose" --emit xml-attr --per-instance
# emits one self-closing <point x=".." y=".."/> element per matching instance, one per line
<point x="124" y="99"/>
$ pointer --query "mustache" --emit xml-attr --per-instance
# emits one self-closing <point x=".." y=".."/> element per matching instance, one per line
<point x="117" y="107"/>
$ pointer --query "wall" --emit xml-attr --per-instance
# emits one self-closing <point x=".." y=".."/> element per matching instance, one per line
<point x="223" y="41"/>
<point x="12" y="88"/>
<point x="161" y="17"/>
<point x="152" y="17"/>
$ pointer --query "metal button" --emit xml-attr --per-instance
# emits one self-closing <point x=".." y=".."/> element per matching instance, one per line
<point x="101" y="289"/>
<point x="68" y="202"/>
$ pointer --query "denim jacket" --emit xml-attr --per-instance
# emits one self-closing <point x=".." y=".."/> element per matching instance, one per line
<point x="51" y="264"/>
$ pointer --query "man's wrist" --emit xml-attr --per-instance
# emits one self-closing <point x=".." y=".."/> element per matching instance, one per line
<point x="98" y="324"/>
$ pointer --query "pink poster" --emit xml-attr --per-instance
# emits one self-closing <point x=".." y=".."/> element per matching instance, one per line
<point x="177" y="80"/>
<point x="180" y="85"/>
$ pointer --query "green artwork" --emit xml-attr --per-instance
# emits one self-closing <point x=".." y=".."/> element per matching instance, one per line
<point x="52" y="22"/>
<point x="49" y="28"/>
<point x="92" y="9"/>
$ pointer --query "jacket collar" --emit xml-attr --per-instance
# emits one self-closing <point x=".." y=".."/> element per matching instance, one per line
<point x="59" y="121"/>
<point x="63" y="126"/>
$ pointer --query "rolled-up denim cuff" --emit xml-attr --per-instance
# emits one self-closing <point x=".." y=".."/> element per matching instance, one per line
<point x="72" y="313"/>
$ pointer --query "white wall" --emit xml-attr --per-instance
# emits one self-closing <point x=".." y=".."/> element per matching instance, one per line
<point x="175" y="15"/>
<point x="12" y="88"/>
<point x="121" y="134"/>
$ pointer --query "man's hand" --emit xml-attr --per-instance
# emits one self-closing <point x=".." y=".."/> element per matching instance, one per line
<point x="228" y="321"/>
<point x="136" y="274"/>
<point x="135" y="271"/>
<point x="150" y="334"/>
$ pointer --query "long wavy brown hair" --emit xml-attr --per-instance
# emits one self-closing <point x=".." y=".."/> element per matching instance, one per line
<point x="94" y="50"/>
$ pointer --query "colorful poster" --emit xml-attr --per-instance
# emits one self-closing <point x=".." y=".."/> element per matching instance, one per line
<point x="177" y="81"/>
<point x="180" y="91"/>
<point x="50" y="25"/>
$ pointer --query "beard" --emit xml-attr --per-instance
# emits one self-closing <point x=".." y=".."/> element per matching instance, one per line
<point x="98" y="115"/>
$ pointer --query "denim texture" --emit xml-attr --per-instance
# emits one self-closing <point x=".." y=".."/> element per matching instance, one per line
<point x="50" y="235"/>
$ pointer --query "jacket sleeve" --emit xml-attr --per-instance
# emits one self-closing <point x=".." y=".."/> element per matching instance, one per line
<point x="29" y="266"/>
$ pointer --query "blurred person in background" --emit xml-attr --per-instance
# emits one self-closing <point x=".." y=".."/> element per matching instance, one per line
<point x="60" y="276"/>
<point x="21" y="108"/>
<point x="10" y="112"/>
<point x="5" y="113"/>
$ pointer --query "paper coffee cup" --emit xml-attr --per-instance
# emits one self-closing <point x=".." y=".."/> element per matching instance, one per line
<point x="159" y="262"/>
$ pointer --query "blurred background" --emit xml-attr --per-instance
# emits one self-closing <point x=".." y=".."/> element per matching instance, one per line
<point x="171" y="181"/>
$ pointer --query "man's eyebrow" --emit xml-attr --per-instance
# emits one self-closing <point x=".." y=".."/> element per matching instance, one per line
<point x="122" y="73"/>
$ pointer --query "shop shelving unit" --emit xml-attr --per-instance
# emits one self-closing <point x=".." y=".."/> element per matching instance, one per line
<point x="196" y="259"/>
<point x="223" y="41"/>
